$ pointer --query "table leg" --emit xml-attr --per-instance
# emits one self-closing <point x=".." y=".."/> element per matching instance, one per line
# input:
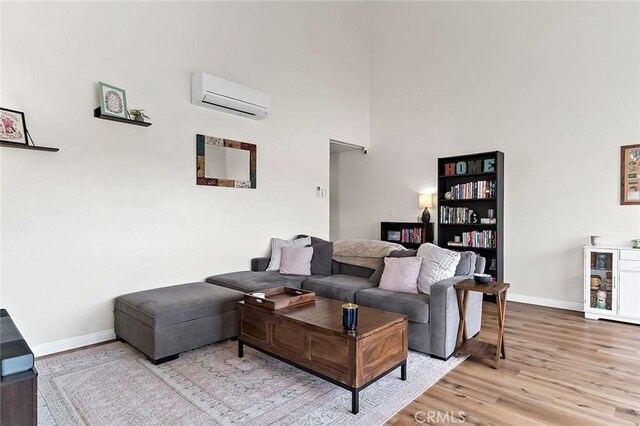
<point x="461" y="295"/>
<point x="403" y="371"/>
<point x="501" y="306"/>
<point x="355" y="401"/>
<point x="240" y="349"/>
<point x="504" y="315"/>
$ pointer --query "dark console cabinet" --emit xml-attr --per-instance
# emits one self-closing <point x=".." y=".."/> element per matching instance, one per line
<point x="18" y="399"/>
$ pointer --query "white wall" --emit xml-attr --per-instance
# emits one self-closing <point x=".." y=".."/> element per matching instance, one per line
<point x="555" y="86"/>
<point x="117" y="209"/>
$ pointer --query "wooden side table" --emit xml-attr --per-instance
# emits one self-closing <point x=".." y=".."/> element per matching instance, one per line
<point x="474" y="346"/>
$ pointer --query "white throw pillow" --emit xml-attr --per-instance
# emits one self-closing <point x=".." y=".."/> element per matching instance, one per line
<point x="437" y="264"/>
<point x="401" y="274"/>
<point x="276" y="250"/>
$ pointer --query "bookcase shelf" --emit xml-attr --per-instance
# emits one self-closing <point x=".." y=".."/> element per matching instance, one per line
<point x="485" y="178"/>
<point x="473" y="225"/>
<point x="464" y="200"/>
<point x="467" y="174"/>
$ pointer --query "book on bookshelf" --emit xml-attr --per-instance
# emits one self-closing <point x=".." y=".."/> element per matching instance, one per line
<point x="478" y="190"/>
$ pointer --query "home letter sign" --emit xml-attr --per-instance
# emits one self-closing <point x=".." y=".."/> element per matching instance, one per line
<point x="487" y="165"/>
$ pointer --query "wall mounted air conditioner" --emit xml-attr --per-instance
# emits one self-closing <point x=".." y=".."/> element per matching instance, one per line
<point x="226" y="96"/>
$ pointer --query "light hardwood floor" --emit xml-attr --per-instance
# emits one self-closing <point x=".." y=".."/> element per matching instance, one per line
<point x="560" y="369"/>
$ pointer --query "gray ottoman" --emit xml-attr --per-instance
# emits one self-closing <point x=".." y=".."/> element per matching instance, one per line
<point x="165" y="321"/>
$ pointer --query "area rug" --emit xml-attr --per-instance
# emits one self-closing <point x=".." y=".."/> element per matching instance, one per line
<point x="114" y="384"/>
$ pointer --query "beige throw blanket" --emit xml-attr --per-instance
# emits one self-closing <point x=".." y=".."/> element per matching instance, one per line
<point x="367" y="253"/>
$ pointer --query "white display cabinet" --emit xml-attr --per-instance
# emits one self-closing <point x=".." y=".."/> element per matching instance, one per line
<point x="612" y="283"/>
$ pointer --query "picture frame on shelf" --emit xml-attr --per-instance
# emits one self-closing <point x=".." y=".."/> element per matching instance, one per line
<point x="630" y="174"/>
<point x="393" y="236"/>
<point x="113" y="100"/>
<point x="13" y="127"/>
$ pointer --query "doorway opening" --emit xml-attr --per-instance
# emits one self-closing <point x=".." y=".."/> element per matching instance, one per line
<point x="336" y="185"/>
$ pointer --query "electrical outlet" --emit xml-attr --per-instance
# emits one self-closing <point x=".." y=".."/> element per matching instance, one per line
<point x="389" y="212"/>
<point x="318" y="191"/>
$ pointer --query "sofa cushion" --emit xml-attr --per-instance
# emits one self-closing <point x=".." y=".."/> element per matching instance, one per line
<point x="467" y="263"/>
<point x="415" y="306"/>
<point x="437" y="264"/>
<point x="377" y="275"/>
<point x="337" y="287"/>
<point x="250" y="281"/>
<point x="401" y="274"/>
<point x="322" y="258"/>
<point x="160" y="307"/>
<point x="276" y="250"/>
<point x="296" y="260"/>
<point x="347" y="269"/>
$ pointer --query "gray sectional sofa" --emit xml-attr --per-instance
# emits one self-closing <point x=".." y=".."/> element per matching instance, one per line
<point x="433" y="318"/>
<point x="165" y="321"/>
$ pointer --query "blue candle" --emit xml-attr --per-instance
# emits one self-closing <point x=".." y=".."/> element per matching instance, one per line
<point x="350" y="316"/>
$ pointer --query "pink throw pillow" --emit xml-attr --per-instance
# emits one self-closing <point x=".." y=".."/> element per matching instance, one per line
<point x="296" y="260"/>
<point x="401" y="274"/>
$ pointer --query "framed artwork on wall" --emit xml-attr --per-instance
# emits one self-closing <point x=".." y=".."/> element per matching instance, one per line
<point x="225" y="162"/>
<point x="13" y="127"/>
<point x="113" y="101"/>
<point x="630" y="174"/>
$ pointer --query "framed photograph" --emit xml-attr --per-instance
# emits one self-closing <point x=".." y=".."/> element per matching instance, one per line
<point x="629" y="174"/>
<point x="113" y="101"/>
<point x="13" y="128"/>
<point x="393" y="235"/>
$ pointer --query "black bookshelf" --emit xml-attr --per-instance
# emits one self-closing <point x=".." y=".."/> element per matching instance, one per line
<point x="475" y="182"/>
<point x="409" y="234"/>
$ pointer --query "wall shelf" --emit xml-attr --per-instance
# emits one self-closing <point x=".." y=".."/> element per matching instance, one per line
<point x="97" y="113"/>
<point x="25" y="146"/>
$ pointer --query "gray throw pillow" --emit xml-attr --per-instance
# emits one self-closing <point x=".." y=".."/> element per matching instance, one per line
<point x="322" y="258"/>
<point x="314" y="240"/>
<point x="377" y="275"/>
<point x="467" y="264"/>
<point x="276" y="250"/>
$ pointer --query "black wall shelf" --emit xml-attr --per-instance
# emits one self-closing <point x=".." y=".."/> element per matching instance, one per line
<point x="25" y="146"/>
<point x="97" y="113"/>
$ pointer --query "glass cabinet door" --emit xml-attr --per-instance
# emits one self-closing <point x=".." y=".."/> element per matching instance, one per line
<point x="600" y="280"/>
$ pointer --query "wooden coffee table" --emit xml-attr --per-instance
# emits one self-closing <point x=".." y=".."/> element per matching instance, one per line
<point x="311" y="337"/>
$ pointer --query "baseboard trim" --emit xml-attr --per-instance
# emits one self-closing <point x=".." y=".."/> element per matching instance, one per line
<point x="541" y="301"/>
<point x="72" y="343"/>
<point x="106" y="335"/>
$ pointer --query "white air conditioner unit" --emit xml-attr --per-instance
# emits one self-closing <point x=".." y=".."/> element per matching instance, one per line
<point x="226" y="96"/>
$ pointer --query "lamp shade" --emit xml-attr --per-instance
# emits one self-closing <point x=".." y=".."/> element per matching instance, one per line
<point x="425" y="201"/>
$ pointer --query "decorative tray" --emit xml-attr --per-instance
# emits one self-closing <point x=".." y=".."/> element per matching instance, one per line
<point x="280" y="297"/>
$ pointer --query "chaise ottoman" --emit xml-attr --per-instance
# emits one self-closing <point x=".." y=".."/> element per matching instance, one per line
<point x="165" y="321"/>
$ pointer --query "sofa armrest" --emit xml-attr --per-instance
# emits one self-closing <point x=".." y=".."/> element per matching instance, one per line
<point x="260" y="263"/>
<point x="445" y="317"/>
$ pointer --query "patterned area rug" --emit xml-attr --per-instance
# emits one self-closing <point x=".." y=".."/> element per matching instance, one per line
<point x="114" y="384"/>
